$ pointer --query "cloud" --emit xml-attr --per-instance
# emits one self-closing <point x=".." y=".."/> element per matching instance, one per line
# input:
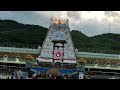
<point x="74" y="15"/>
<point x="115" y="16"/>
<point x="26" y="17"/>
<point x="111" y="13"/>
<point x="52" y="14"/>
<point x="92" y="27"/>
<point x="89" y="22"/>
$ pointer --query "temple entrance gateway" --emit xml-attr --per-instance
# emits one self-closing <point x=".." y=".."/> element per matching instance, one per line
<point x="58" y="52"/>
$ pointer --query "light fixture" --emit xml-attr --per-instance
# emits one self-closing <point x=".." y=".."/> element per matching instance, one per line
<point x="108" y="64"/>
<point x="5" y="59"/>
<point x="96" y="63"/>
<point x="17" y="60"/>
<point x="96" y="66"/>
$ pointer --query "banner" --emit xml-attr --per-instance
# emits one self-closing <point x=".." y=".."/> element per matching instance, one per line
<point x="58" y="54"/>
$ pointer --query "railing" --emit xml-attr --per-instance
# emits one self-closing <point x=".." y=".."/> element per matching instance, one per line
<point x="78" y="54"/>
<point x="19" y="50"/>
<point x="114" y="67"/>
<point x="101" y="74"/>
<point x="97" y="55"/>
<point x="9" y="59"/>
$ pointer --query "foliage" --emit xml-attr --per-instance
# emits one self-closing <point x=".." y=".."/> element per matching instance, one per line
<point x="13" y="34"/>
<point x="29" y="57"/>
<point x="53" y="72"/>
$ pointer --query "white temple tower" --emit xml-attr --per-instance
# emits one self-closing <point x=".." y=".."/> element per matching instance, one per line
<point x="59" y="36"/>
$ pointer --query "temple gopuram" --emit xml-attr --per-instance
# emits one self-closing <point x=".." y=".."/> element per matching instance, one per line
<point x="58" y="49"/>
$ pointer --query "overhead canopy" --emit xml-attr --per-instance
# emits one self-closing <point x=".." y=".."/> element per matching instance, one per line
<point x="61" y="41"/>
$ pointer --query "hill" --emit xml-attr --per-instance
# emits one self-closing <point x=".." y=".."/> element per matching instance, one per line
<point x="106" y="43"/>
<point x="14" y="34"/>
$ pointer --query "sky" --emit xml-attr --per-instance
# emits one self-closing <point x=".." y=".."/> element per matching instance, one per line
<point x="90" y="23"/>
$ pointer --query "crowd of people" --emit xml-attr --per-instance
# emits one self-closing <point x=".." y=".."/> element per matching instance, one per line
<point x="51" y="77"/>
<point x="18" y="74"/>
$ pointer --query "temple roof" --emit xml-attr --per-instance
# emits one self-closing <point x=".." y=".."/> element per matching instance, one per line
<point x="97" y="55"/>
